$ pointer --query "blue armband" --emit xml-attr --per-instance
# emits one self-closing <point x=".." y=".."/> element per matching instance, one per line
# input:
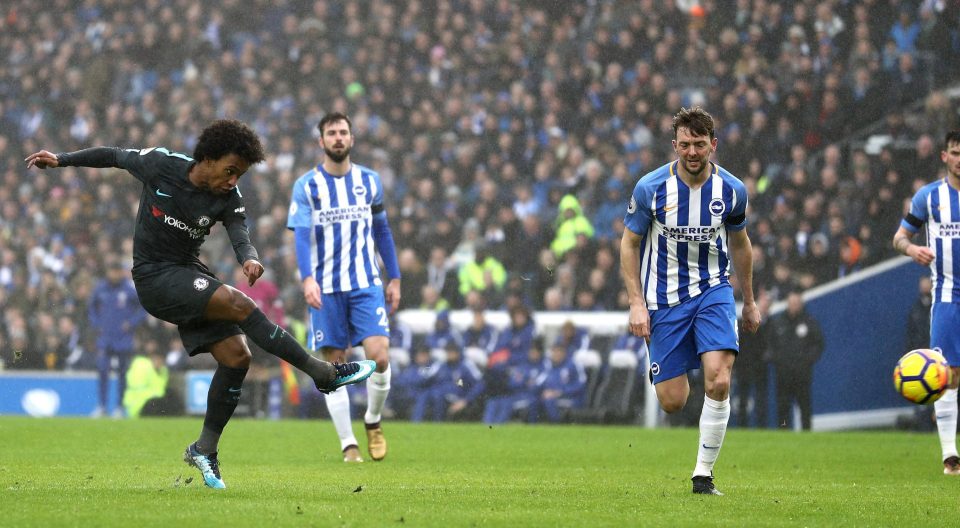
<point x="302" y="236"/>
<point x="384" y="240"/>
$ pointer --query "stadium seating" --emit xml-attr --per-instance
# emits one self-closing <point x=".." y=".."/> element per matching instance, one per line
<point x="614" y="394"/>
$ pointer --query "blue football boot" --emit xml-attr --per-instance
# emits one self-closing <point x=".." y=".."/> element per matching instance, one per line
<point x="350" y="373"/>
<point x="208" y="465"/>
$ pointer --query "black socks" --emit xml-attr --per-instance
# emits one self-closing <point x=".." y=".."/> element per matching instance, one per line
<point x="275" y="340"/>
<point x="222" y="399"/>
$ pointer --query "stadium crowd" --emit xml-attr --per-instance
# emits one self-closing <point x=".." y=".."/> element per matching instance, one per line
<point x="508" y="135"/>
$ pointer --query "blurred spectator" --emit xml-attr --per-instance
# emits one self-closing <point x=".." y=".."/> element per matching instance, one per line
<point x="442" y="276"/>
<point x="795" y="344"/>
<point x="115" y="313"/>
<point x="850" y="252"/>
<point x="147" y="392"/>
<point x="520" y="390"/>
<point x="430" y="299"/>
<point x="480" y="334"/>
<point x="414" y="278"/>
<point x="905" y="31"/>
<point x="572" y="338"/>
<point x="751" y="378"/>
<point x="452" y="386"/>
<point x="443" y="335"/>
<point x="515" y="340"/>
<point x="401" y="335"/>
<point x="571" y="223"/>
<point x="561" y="387"/>
<point x="411" y="383"/>
<point x="484" y="274"/>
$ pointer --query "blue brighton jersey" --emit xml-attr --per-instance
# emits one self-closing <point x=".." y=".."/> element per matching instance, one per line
<point x="937" y="205"/>
<point x="683" y="251"/>
<point x="339" y="212"/>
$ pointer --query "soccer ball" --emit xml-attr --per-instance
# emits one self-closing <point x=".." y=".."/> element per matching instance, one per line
<point x="922" y="376"/>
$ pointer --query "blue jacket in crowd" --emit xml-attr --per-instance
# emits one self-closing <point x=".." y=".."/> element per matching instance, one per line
<point x="569" y="378"/>
<point x="485" y="338"/>
<point x="115" y="313"/>
<point x="580" y="340"/>
<point x="517" y="341"/>
<point x="461" y="380"/>
<point x="523" y="378"/>
<point x="401" y="335"/>
<point x="443" y="333"/>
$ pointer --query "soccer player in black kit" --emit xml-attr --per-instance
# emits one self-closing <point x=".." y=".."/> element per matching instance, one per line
<point x="181" y="200"/>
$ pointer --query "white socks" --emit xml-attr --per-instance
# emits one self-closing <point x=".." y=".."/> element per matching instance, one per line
<point x="946" y="409"/>
<point x="378" y="386"/>
<point x="713" y="426"/>
<point x="338" y="405"/>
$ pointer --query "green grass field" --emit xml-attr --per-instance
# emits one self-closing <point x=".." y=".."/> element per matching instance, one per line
<point x="79" y="472"/>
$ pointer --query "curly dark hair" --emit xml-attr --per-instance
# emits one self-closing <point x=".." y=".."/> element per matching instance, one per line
<point x="695" y="119"/>
<point x="229" y="136"/>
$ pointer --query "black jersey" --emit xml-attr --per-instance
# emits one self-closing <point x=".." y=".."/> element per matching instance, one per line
<point x="175" y="216"/>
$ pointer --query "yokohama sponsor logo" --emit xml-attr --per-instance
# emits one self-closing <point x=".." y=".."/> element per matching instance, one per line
<point x="177" y="223"/>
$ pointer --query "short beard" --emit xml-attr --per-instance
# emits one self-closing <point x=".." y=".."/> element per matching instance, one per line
<point x="697" y="173"/>
<point x="337" y="158"/>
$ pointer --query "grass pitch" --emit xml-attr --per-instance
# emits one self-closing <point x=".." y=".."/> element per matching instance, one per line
<point x="80" y="472"/>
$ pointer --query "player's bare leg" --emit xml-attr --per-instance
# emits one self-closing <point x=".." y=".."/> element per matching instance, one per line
<point x="946" y="413"/>
<point x="378" y="387"/>
<point x="717" y="371"/>
<point x="338" y="406"/>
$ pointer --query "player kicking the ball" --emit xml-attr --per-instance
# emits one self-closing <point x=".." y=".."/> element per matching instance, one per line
<point x="182" y="199"/>
<point x="338" y="219"/>
<point x="685" y="222"/>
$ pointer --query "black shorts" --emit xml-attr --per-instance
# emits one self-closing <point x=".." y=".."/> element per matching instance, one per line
<point x="179" y="294"/>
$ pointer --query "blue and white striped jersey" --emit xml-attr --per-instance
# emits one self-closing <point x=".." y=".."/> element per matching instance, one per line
<point x="684" y="247"/>
<point x="339" y="210"/>
<point x="937" y="204"/>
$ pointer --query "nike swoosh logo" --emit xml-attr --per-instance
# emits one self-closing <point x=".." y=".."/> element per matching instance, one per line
<point x="665" y="207"/>
<point x="942" y="417"/>
<point x="705" y="446"/>
<point x="233" y="390"/>
<point x="275" y="330"/>
<point x="163" y="194"/>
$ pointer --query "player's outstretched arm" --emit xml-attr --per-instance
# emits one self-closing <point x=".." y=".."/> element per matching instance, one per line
<point x="96" y="157"/>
